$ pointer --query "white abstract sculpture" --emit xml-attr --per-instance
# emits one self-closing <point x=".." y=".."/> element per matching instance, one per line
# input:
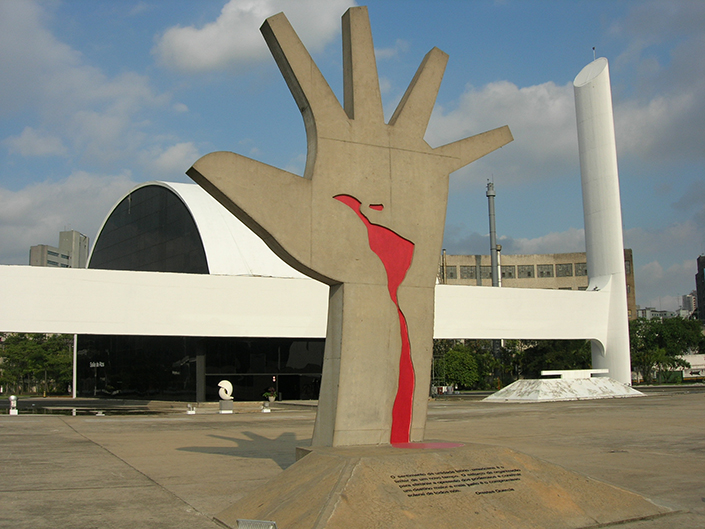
<point x="226" y="390"/>
<point x="603" y="214"/>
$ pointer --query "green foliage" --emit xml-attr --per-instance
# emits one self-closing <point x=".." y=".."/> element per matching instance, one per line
<point x="441" y="347"/>
<point x="657" y="345"/>
<point x="36" y="362"/>
<point x="469" y="366"/>
<point x="461" y="367"/>
<point x="552" y="354"/>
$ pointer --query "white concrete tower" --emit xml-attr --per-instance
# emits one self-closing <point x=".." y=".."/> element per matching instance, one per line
<point x="603" y="213"/>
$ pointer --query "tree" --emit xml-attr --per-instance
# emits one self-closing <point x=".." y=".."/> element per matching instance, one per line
<point x="438" y="368"/>
<point x="34" y="361"/>
<point x="58" y="362"/>
<point x="461" y="367"/>
<point x="657" y="345"/>
<point x="468" y="365"/>
<point x="553" y="354"/>
<point x="487" y="365"/>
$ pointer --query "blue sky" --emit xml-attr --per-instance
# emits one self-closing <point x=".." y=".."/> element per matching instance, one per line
<point x="98" y="96"/>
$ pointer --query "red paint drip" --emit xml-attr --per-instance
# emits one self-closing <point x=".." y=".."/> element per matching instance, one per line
<point x="378" y="207"/>
<point x="396" y="253"/>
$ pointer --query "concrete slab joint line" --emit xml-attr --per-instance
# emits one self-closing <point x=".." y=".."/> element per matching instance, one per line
<point x="127" y="463"/>
<point x="336" y="493"/>
<point x="367" y="219"/>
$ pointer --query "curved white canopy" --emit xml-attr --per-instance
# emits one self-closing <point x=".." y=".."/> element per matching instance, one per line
<point x="231" y="247"/>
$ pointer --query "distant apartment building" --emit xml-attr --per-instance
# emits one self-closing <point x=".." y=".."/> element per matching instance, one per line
<point x="689" y="302"/>
<point x="560" y="271"/>
<point x="651" y="313"/>
<point x="72" y="252"/>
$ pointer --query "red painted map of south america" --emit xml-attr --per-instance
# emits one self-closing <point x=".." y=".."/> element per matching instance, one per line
<point x="396" y="254"/>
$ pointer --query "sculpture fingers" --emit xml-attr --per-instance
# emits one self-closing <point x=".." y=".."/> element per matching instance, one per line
<point x="461" y="153"/>
<point x="273" y="203"/>
<point x="320" y="108"/>
<point x="414" y="110"/>
<point x="362" y="99"/>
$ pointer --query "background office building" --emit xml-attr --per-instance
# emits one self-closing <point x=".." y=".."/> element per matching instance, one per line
<point x="72" y="252"/>
<point x="560" y="271"/>
<point x="689" y="302"/>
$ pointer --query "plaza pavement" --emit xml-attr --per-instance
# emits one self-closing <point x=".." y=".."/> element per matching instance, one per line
<point x="172" y="470"/>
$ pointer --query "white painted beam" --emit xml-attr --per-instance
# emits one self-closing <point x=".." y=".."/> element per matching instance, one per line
<point x="166" y="304"/>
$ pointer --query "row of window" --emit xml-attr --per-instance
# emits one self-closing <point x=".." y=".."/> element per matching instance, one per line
<point x="518" y="271"/>
<point x="55" y="254"/>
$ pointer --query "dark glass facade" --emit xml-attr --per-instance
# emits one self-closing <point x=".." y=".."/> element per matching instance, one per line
<point x="165" y="367"/>
<point x="151" y="230"/>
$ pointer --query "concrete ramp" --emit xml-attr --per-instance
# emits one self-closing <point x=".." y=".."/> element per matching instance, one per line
<point x="432" y="485"/>
<point x="558" y="389"/>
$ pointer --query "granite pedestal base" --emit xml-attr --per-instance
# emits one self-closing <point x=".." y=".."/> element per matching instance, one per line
<point x="424" y="484"/>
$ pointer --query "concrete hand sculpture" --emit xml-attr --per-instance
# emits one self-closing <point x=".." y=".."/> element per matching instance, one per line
<point x="367" y="218"/>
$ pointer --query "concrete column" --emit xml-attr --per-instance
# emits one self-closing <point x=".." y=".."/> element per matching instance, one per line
<point x="196" y="347"/>
<point x="74" y="379"/>
<point x="200" y="376"/>
<point x="603" y="213"/>
<point x="361" y="365"/>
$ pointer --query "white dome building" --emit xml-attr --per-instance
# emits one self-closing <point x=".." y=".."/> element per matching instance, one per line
<point x="179" y="228"/>
<point x="175" y="227"/>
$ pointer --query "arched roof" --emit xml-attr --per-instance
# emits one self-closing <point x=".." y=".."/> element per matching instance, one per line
<point x="231" y="248"/>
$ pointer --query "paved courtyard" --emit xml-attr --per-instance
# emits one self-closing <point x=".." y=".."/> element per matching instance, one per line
<point x="173" y="470"/>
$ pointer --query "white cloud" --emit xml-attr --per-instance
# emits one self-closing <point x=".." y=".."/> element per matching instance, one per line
<point x="658" y="116"/>
<point x="400" y="46"/>
<point x="385" y="86"/>
<point x="572" y="240"/>
<point x="662" y="128"/>
<point x="459" y="241"/>
<point x="671" y="239"/>
<point x="174" y="160"/>
<point x="27" y="47"/>
<point x="139" y="8"/>
<point x="297" y="164"/>
<point x="233" y="40"/>
<point x="541" y="118"/>
<point x="663" y="303"/>
<point x="83" y="113"/>
<point x="40" y="73"/>
<point x="37" y="213"/>
<point x="33" y="143"/>
<point x="660" y="119"/>
<point x="666" y="273"/>
<point x="659" y="288"/>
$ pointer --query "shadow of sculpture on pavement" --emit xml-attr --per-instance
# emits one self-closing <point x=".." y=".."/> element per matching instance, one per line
<point x="280" y="449"/>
